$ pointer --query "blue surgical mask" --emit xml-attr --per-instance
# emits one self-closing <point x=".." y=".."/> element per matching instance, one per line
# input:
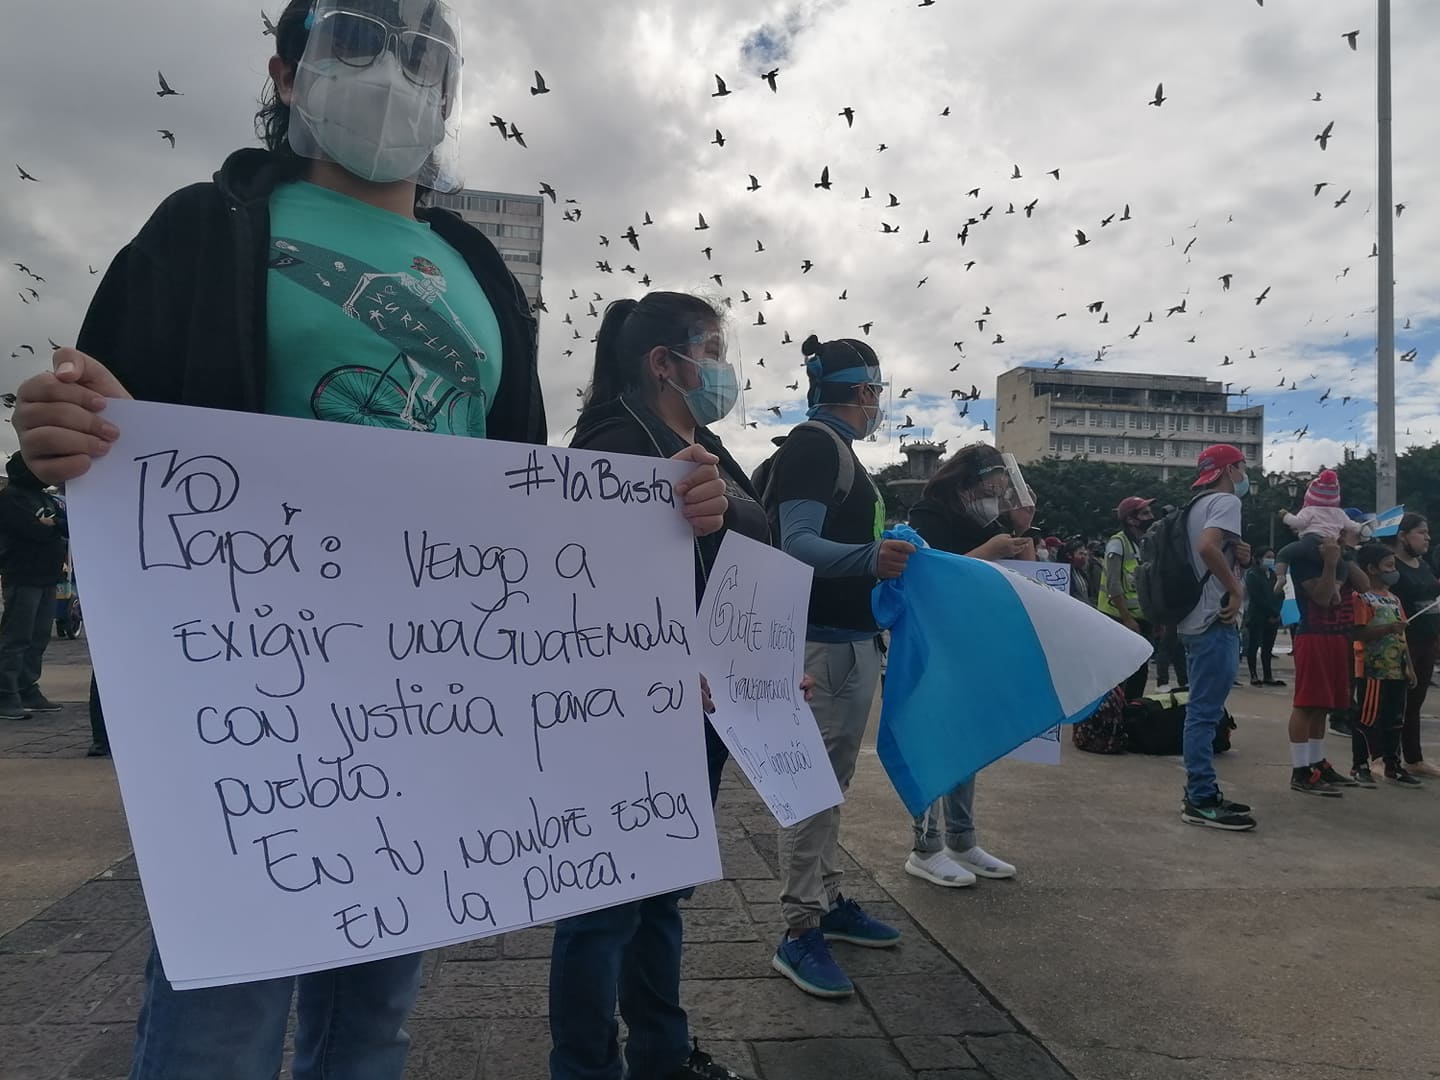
<point x="1242" y="486"/>
<point x="1269" y="564"/>
<point x="716" y="395"/>
<point x="1390" y="577"/>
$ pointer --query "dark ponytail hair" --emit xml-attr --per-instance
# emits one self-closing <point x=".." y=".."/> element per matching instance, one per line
<point x="630" y="329"/>
<point x="827" y="357"/>
<point x="961" y="472"/>
<point x="272" y="122"/>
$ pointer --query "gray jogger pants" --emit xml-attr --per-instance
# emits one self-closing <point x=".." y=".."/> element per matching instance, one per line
<point x="846" y="675"/>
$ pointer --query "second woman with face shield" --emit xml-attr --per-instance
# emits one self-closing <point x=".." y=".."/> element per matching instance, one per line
<point x="661" y="378"/>
<point x="977" y="504"/>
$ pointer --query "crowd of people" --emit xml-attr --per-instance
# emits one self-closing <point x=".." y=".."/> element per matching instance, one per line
<point x="354" y="130"/>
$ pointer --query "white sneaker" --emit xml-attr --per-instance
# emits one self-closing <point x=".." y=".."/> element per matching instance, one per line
<point x="1163" y="688"/>
<point x="939" y="869"/>
<point x="979" y="861"/>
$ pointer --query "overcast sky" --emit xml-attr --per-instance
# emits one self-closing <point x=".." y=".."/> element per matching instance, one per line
<point x="1227" y="166"/>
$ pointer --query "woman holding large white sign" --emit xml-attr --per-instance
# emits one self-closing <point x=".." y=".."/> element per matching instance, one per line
<point x="661" y="377"/>
<point x="297" y="284"/>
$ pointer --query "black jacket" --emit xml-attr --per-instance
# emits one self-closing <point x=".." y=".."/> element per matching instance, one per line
<point x="948" y="529"/>
<point x="180" y="314"/>
<point x="31" y="553"/>
<point x="626" y="426"/>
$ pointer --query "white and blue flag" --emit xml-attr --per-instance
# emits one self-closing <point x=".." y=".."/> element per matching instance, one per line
<point x="982" y="660"/>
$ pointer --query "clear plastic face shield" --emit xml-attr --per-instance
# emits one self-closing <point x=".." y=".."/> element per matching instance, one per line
<point x="1000" y="490"/>
<point x="377" y="91"/>
<point x="716" y="384"/>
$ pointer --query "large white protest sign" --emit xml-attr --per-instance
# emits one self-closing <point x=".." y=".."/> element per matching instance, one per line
<point x="1044" y="749"/>
<point x="371" y="691"/>
<point x="750" y="636"/>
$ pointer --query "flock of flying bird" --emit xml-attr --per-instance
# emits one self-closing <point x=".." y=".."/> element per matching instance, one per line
<point x="999" y="204"/>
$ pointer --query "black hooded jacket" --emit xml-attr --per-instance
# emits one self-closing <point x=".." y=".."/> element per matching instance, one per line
<point x="31" y="552"/>
<point x="626" y="426"/>
<point x="180" y="314"/>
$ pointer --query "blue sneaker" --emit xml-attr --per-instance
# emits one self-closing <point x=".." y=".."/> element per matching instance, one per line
<point x="848" y="922"/>
<point x="806" y="961"/>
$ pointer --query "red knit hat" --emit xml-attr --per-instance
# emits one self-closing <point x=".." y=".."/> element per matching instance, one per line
<point x="1324" y="490"/>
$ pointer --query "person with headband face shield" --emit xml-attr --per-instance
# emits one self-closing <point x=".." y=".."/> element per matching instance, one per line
<point x="977" y="504"/>
<point x="828" y="513"/>
<point x="662" y="377"/>
<point x="310" y="262"/>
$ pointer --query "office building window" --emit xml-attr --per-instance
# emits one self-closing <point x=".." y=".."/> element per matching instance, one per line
<point x="482" y="203"/>
<point x="527" y="209"/>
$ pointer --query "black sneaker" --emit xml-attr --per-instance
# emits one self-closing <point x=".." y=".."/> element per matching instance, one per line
<point x="1309" y="781"/>
<point x="1274" y="682"/>
<point x="11" y="709"/>
<point x="1233" y="807"/>
<point x="98" y="750"/>
<point x="1397" y="775"/>
<point x="701" y="1066"/>
<point x="1340" y="726"/>
<point x="1330" y="775"/>
<point x="1216" y="813"/>
<point x="1256" y="682"/>
<point x="35" y="701"/>
<point x="1362" y="776"/>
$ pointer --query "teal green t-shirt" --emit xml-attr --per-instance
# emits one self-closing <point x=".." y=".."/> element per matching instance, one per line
<point x="373" y="319"/>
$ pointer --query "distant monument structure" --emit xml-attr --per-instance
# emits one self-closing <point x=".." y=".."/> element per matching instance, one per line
<point x="922" y="459"/>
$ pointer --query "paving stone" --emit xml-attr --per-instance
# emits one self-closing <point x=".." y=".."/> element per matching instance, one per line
<point x="128" y="957"/>
<point x="124" y="870"/>
<point x="950" y="1074"/>
<point x="941" y="1052"/>
<point x="444" y="1049"/>
<point x="102" y="901"/>
<point x="527" y="944"/>
<point x="32" y="1052"/>
<point x="716" y="924"/>
<point x="1015" y="1057"/>
<point x="31" y="984"/>
<point x="771" y="1008"/>
<point x="915" y="953"/>
<point x="513" y="1049"/>
<point x="484" y="949"/>
<point x="714" y="894"/>
<point x="740" y="859"/>
<point x="930" y="1004"/>
<point x="37" y="936"/>
<point x="726" y="960"/>
<point x="493" y="973"/>
<point x="107" y="1057"/>
<point x="735" y="1056"/>
<point x="80" y="1003"/>
<point x="832" y="1059"/>
<point x="483" y="1002"/>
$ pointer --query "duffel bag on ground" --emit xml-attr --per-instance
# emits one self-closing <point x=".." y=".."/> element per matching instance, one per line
<point x="1156" y="725"/>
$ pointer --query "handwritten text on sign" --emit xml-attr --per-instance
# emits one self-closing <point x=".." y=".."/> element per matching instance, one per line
<point x="1044" y="749"/>
<point x="751" y="633"/>
<point x="372" y="691"/>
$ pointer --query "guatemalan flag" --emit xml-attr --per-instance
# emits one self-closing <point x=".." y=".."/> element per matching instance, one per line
<point x="982" y="660"/>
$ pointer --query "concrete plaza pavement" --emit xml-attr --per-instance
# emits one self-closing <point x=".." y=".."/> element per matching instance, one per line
<point x="1130" y="946"/>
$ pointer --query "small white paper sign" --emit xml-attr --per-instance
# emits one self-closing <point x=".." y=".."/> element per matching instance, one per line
<point x="373" y="691"/>
<point x="751" y="636"/>
<point x="1044" y="749"/>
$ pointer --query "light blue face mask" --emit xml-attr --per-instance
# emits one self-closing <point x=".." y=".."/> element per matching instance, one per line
<point x="1242" y="486"/>
<point x="1269" y="564"/>
<point x="719" y="389"/>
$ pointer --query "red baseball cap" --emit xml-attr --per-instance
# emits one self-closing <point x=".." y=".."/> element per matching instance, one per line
<point x="1131" y="506"/>
<point x="1214" y="461"/>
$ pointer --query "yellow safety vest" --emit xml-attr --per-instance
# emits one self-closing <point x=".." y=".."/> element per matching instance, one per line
<point x="1129" y="564"/>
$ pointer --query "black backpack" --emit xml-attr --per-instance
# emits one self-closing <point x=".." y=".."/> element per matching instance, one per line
<point x="763" y="476"/>
<point x="1156" y="725"/>
<point x="1165" y="580"/>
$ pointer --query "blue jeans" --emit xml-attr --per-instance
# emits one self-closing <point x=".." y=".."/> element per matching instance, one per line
<point x="348" y="1025"/>
<point x="630" y="952"/>
<point x="1214" y="661"/>
<point x="957" y="806"/>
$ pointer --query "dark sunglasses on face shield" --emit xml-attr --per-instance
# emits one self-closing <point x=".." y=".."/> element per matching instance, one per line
<point x="358" y="40"/>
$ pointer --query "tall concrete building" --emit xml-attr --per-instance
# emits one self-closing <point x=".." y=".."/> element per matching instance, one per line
<point x="514" y="223"/>
<point x="1155" y="421"/>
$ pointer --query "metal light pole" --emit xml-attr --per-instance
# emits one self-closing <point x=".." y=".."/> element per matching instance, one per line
<point x="1385" y="480"/>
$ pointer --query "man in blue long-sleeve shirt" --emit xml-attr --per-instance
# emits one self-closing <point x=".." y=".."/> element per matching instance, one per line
<point x="831" y="516"/>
